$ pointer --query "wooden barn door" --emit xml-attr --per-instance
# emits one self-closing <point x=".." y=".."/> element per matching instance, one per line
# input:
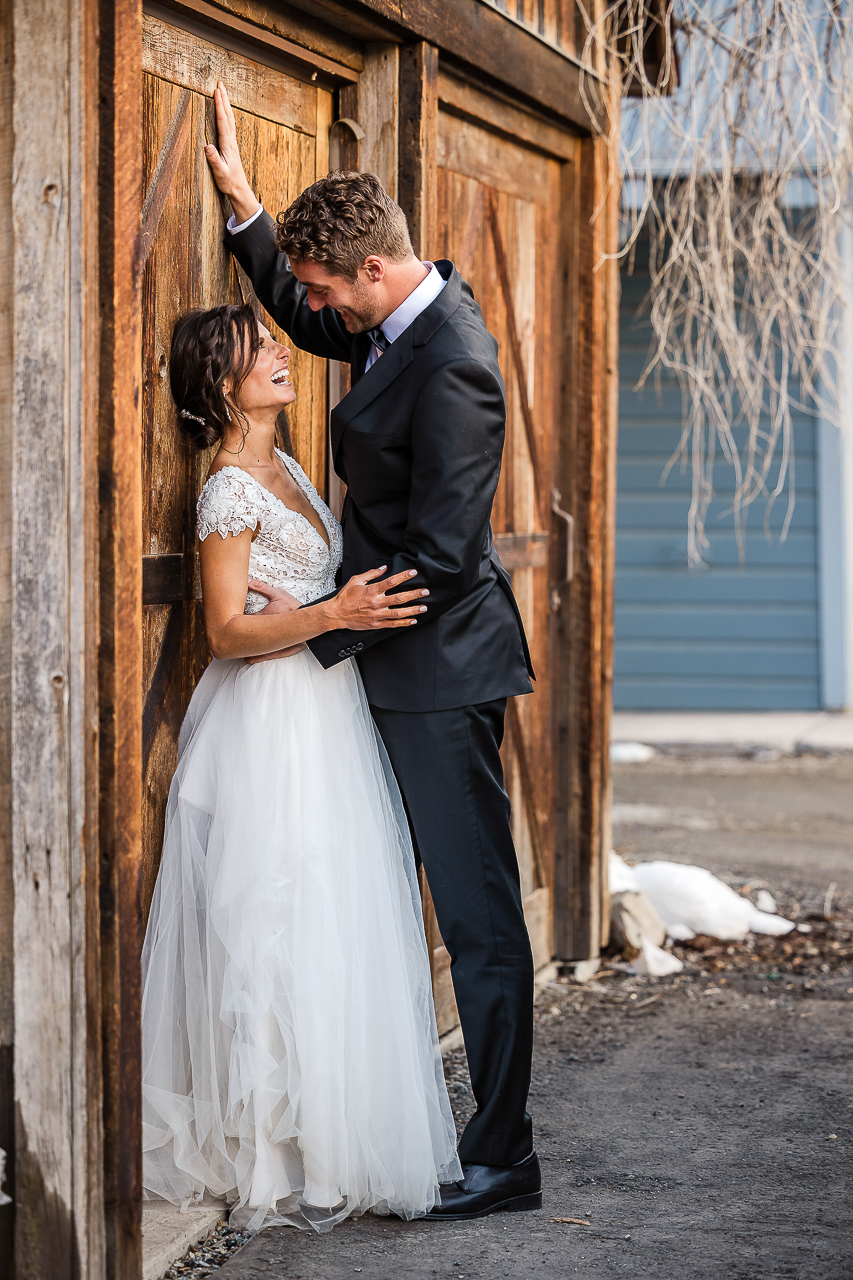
<point x="498" y="218"/>
<point x="283" y="126"/>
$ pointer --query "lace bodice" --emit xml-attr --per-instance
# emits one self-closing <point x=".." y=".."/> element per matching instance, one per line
<point x="287" y="551"/>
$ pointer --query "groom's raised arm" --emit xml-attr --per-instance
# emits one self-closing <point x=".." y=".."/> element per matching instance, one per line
<point x="457" y="440"/>
<point x="322" y="332"/>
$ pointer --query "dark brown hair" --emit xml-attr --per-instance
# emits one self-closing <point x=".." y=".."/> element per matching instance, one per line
<point x="341" y="220"/>
<point x="208" y="347"/>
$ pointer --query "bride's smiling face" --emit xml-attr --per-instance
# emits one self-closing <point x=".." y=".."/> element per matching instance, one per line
<point x="267" y="385"/>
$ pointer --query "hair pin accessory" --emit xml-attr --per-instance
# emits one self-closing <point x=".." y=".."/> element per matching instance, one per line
<point x="185" y="413"/>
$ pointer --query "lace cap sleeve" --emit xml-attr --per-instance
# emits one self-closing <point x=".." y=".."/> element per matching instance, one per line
<point x="226" y="505"/>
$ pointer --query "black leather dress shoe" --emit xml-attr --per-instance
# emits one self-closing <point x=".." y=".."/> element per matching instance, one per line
<point x="486" y="1189"/>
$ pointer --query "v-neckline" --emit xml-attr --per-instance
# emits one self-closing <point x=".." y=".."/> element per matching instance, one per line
<point x="327" y="541"/>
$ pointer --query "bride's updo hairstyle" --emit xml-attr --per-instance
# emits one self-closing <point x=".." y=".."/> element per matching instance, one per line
<point x="210" y="348"/>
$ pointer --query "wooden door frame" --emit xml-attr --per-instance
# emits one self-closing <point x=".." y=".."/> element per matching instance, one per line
<point x="118" y="224"/>
<point x="120" y="659"/>
<point x="582" y="635"/>
<point x="70" y="555"/>
<point x="49" y="583"/>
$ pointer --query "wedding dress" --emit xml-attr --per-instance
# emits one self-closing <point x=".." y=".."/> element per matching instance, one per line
<point x="290" y="1053"/>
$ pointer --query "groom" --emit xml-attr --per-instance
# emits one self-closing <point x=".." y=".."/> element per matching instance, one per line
<point x="418" y="442"/>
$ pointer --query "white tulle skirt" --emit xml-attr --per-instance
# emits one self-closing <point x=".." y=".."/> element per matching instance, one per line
<point x="290" y="1053"/>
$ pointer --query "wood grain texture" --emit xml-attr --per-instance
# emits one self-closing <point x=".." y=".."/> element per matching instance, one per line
<point x="523" y="550"/>
<point x="120" y="665"/>
<point x="503" y="164"/>
<point x="164" y="172"/>
<point x="197" y="64"/>
<point x="379" y="113"/>
<point x="464" y="97"/>
<point x="540" y="478"/>
<point x="418" y="105"/>
<point x="480" y="38"/>
<point x="504" y="232"/>
<point x="585" y="624"/>
<point x="302" y="27"/>
<point x="189" y="266"/>
<point x="7" y="937"/>
<point x="244" y="35"/>
<point x="53" y="643"/>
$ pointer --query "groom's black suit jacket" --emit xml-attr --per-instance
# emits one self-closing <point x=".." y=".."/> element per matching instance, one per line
<point x="418" y="442"/>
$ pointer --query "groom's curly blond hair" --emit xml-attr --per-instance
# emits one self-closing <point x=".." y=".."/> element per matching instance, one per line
<point x="341" y="220"/>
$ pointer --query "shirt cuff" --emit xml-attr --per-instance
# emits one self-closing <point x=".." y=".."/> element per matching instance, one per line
<point x="234" y="227"/>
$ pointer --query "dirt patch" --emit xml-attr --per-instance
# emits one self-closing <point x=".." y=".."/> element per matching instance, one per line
<point x="701" y="1124"/>
<point x="700" y="1129"/>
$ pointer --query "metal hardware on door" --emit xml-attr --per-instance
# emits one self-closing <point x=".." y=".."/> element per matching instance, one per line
<point x="569" y="561"/>
<point x="335" y="139"/>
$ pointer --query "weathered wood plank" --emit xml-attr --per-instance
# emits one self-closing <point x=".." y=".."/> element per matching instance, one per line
<point x="467" y="148"/>
<point x="164" y="172"/>
<point x="87" y="1136"/>
<point x="523" y="550"/>
<point x="379" y="113"/>
<point x="7" y="937"/>
<point x="418" y="142"/>
<point x="537" y="917"/>
<point x="586" y="623"/>
<point x="517" y="302"/>
<point x="243" y="37"/>
<point x="197" y="64"/>
<point x="482" y="39"/>
<point x="540" y="479"/>
<point x="120" y="665"/>
<point x="307" y="30"/>
<point x="53" y="642"/>
<point x="465" y="98"/>
<point x="163" y="579"/>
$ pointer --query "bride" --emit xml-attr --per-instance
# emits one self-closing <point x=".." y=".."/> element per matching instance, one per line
<point x="290" y="1053"/>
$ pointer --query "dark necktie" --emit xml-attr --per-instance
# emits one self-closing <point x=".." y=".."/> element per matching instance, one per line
<point x="377" y="337"/>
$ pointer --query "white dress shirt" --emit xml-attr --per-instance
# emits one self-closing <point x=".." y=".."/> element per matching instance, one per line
<point x="409" y="309"/>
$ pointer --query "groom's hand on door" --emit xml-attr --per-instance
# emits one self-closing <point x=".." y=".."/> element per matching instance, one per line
<point x="226" y="164"/>
<point x="279" y="602"/>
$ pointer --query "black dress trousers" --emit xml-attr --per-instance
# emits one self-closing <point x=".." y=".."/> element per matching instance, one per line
<point x="449" y="769"/>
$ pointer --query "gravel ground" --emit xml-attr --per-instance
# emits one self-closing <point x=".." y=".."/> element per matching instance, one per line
<point x="698" y="1126"/>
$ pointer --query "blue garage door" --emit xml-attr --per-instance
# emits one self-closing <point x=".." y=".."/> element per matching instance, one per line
<point x="726" y="636"/>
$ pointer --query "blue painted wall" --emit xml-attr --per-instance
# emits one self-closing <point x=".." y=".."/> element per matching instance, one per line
<point x="727" y="636"/>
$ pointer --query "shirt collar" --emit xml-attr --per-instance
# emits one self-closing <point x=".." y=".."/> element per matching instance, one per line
<point x="418" y="300"/>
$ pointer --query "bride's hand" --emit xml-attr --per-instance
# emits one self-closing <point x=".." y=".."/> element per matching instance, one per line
<point x="364" y="604"/>
<point x="279" y="602"/>
<point x="225" y="163"/>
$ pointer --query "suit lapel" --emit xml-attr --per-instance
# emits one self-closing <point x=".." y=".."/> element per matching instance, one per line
<point x="370" y="383"/>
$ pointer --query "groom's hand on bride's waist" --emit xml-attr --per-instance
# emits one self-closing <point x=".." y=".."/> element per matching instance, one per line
<point x="278" y="602"/>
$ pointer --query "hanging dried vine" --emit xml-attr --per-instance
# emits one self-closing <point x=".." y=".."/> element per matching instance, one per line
<point x="740" y="174"/>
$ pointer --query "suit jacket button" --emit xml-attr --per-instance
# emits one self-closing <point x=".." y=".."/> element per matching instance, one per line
<point x="359" y="647"/>
<point x="342" y="653"/>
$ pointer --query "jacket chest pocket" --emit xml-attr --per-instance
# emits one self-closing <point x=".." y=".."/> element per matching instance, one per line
<point x="377" y="461"/>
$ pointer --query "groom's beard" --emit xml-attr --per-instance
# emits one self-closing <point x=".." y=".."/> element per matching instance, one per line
<point x="363" y="313"/>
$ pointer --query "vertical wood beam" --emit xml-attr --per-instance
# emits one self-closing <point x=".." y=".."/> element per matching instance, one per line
<point x="582" y="916"/>
<point x="120" y="669"/>
<point x="418" y="157"/>
<point x="581" y="911"/>
<point x="566" y="756"/>
<point x="344" y="151"/>
<point x="52" y="633"/>
<point x="7" y="1018"/>
<point x="580" y="878"/>
<point x="379" y="114"/>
